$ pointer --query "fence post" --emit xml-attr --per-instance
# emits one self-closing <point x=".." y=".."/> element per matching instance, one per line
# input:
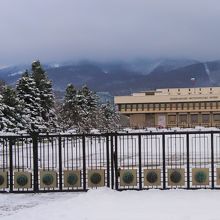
<point x="116" y="162"/>
<point x="35" y="161"/>
<point x="11" y="165"/>
<point x="187" y="161"/>
<point x="164" y="161"/>
<point x="140" y="165"/>
<point x="84" y="161"/>
<point x="212" y="162"/>
<point x="107" y="152"/>
<point x="112" y="162"/>
<point x="60" y="165"/>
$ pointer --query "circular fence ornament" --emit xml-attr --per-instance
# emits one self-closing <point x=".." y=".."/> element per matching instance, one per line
<point x="175" y="177"/>
<point x="2" y="180"/>
<point x="152" y="177"/>
<point x="128" y="177"/>
<point x="72" y="179"/>
<point x="200" y="177"/>
<point x="22" y="180"/>
<point x="95" y="178"/>
<point x="48" y="179"/>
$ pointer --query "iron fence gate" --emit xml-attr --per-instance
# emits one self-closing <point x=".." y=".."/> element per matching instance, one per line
<point x="122" y="161"/>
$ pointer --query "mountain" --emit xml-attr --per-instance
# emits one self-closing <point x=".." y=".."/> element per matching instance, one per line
<point x="120" y="78"/>
<point x="213" y="71"/>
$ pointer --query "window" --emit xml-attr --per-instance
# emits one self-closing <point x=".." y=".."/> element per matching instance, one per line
<point x="190" y="106"/>
<point x="213" y="104"/>
<point x="134" y="107"/>
<point x="205" y="118"/>
<point x="145" y="106"/>
<point x="151" y="106"/>
<point x="156" y="106"/>
<point x="140" y="107"/>
<point x="162" y="106"/>
<point x="202" y="105"/>
<point x="171" y="119"/>
<point x="207" y="105"/>
<point x="185" y="105"/>
<point x="194" y="119"/>
<point x="128" y="107"/>
<point x="121" y="107"/>
<point x="196" y="105"/>
<point x="216" y="117"/>
<point x="179" y="106"/>
<point x="173" y="106"/>
<point x="168" y="106"/>
<point x="183" y="119"/>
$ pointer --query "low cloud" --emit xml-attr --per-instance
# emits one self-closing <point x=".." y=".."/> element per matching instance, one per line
<point x="108" y="29"/>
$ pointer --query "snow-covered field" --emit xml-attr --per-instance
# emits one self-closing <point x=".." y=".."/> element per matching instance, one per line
<point x="106" y="204"/>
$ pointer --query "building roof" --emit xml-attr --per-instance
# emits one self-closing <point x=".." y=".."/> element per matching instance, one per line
<point x="172" y="95"/>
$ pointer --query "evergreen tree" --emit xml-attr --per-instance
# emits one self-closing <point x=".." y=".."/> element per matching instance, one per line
<point x="81" y="110"/>
<point x="69" y="113"/>
<point x="44" y="86"/>
<point x="31" y="110"/>
<point x="10" y="118"/>
<point x="88" y="109"/>
<point x="109" y="118"/>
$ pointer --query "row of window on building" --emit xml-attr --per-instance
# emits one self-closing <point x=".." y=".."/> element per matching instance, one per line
<point x="193" y="119"/>
<point x="169" y="106"/>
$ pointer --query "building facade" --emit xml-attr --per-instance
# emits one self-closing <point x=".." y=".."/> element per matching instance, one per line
<point x="176" y="107"/>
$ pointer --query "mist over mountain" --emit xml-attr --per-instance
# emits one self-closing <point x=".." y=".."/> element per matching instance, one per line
<point x="120" y="78"/>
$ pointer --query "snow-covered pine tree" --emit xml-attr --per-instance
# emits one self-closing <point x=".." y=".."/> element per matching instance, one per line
<point x="69" y="114"/>
<point x="44" y="86"/>
<point x="10" y="118"/>
<point x="88" y="105"/>
<point x="29" y="97"/>
<point x="2" y="84"/>
<point x="109" y="117"/>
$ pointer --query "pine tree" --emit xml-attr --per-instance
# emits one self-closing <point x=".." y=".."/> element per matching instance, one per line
<point x="31" y="110"/>
<point x="10" y="118"/>
<point x="69" y="115"/>
<point x="88" y="109"/>
<point x="44" y="86"/>
<point x="109" y="118"/>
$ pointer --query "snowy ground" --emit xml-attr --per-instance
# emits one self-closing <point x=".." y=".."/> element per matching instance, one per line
<point x="106" y="204"/>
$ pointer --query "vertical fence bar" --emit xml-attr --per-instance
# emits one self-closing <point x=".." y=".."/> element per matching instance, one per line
<point x="187" y="161"/>
<point x="84" y="161"/>
<point x="164" y="161"/>
<point x="107" y="152"/>
<point x="212" y="162"/>
<point x="140" y="161"/>
<point x="35" y="161"/>
<point x="60" y="165"/>
<point x="112" y="162"/>
<point x="116" y="162"/>
<point x="11" y="165"/>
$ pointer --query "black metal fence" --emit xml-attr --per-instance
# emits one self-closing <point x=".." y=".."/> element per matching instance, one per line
<point x="122" y="161"/>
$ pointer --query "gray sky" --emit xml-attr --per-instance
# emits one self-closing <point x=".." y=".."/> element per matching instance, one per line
<point x="56" y="30"/>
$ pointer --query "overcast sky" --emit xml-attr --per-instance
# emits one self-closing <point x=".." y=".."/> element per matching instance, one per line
<point x="58" y="30"/>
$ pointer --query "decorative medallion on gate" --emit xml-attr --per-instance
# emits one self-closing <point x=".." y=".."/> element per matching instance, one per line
<point x="96" y="178"/>
<point x="218" y="176"/>
<point x="176" y="177"/>
<point x="48" y="179"/>
<point x="200" y="176"/>
<point x="128" y="177"/>
<point x="72" y="178"/>
<point x="3" y="179"/>
<point x="152" y="177"/>
<point x="22" y="180"/>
